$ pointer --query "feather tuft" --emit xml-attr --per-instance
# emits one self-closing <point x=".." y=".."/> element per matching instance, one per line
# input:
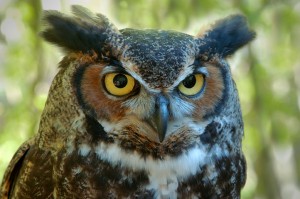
<point x="226" y="36"/>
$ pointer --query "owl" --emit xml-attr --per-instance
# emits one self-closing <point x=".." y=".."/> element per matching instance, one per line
<point x="136" y="114"/>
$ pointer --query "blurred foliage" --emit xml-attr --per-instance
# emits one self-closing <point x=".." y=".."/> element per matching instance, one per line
<point x="266" y="72"/>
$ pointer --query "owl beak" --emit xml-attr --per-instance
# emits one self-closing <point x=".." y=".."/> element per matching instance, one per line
<point x="161" y="116"/>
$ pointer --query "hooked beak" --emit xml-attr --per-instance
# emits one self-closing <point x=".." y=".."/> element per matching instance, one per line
<point x="161" y="116"/>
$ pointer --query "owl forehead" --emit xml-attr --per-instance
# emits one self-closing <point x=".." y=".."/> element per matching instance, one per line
<point x="159" y="57"/>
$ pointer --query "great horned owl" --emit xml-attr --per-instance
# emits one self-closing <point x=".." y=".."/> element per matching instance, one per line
<point x="135" y="114"/>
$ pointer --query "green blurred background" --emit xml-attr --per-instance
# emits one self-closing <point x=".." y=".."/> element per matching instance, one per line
<point x="267" y="74"/>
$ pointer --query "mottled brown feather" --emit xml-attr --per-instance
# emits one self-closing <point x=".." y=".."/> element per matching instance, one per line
<point x="11" y="173"/>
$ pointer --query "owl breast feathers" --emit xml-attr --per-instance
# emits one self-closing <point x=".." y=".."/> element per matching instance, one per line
<point x="135" y="114"/>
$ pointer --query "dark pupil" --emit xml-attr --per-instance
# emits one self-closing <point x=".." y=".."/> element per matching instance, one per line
<point x="120" y="80"/>
<point x="190" y="81"/>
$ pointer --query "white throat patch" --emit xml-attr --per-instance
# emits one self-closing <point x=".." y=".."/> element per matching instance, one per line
<point x="163" y="174"/>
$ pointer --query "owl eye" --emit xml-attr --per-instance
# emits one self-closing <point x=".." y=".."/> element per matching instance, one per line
<point x="192" y="84"/>
<point x="119" y="84"/>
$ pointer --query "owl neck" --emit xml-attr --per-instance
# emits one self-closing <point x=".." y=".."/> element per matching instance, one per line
<point x="62" y="116"/>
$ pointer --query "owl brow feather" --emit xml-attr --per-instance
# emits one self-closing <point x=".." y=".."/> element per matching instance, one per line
<point x="113" y="69"/>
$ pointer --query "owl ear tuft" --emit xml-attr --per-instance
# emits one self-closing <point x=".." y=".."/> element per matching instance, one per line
<point x="83" y="32"/>
<point x="226" y="36"/>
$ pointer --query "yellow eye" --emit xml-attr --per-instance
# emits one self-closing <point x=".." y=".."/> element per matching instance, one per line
<point x="192" y="85"/>
<point x="119" y="84"/>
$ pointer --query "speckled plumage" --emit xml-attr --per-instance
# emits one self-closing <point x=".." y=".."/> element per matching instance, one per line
<point x="155" y="141"/>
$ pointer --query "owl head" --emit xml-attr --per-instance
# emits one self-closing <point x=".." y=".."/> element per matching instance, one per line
<point x="157" y="93"/>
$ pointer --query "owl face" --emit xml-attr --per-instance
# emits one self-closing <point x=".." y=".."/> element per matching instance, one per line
<point x="156" y="83"/>
<point x="156" y="101"/>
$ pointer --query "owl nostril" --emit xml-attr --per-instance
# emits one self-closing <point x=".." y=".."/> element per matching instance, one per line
<point x="161" y="99"/>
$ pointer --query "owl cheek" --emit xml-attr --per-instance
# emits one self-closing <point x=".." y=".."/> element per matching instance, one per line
<point x="91" y="95"/>
<point x="213" y="94"/>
